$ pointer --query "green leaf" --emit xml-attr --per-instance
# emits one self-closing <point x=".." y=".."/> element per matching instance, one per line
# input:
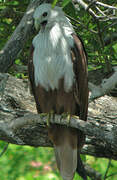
<point x="54" y="3"/>
<point x="70" y="10"/>
<point x="115" y="47"/>
<point x="65" y="2"/>
<point x="83" y="157"/>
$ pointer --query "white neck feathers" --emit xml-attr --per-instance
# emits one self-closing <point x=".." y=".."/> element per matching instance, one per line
<point x="52" y="58"/>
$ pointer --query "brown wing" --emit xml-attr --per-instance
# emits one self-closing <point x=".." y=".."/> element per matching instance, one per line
<point x="31" y="78"/>
<point x="81" y="92"/>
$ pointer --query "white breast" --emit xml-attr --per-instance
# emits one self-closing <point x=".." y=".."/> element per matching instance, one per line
<point x="52" y="59"/>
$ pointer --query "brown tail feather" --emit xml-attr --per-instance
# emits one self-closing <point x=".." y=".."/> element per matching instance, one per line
<point x="66" y="161"/>
<point x="65" y="146"/>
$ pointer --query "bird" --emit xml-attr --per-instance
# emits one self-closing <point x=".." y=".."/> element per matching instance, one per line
<point x="58" y="77"/>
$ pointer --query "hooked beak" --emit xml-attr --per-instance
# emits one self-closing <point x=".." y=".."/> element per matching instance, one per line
<point x="43" y="23"/>
<point x="37" y="24"/>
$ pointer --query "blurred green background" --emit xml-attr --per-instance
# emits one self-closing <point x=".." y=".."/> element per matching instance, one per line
<point x="28" y="163"/>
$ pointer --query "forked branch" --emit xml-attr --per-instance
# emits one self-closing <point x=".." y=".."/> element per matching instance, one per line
<point x="94" y="9"/>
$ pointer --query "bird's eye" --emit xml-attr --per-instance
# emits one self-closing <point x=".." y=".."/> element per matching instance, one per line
<point x="45" y="14"/>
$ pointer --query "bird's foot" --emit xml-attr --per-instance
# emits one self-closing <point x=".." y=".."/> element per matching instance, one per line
<point x="66" y="116"/>
<point x="43" y="115"/>
<point x="74" y="116"/>
<point x="50" y="116"/>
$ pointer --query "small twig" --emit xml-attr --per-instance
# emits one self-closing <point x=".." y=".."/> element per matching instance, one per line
<point x="85" y="6"/>
<point x="100" y="34"/>
<point x="4" y="150"/>
<point x="107" y="18"/>
<point x="113" y="174"/>
<point x="93" y="14"/>
<point x="107" y="65"/>
<point x="109" y="163"/>
<point x="20" y="12"/>
<point x="105" y="5"/>
<point x="78" y="22"/>
<point x="91" y="4"/>
<point x="92" y="173"/>
<point x="108" y="26"/>
<point x="100" y="11"/>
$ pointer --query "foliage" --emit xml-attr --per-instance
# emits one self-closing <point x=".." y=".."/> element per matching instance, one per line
<point x="94" y="34"/>
<point x="91" y="31"/>
<point x="28" y="163"/>
<point x="31" y="163"/>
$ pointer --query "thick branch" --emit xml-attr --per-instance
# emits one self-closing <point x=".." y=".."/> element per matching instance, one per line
<point x="31" y="130"/>
<point x="18" y="38"/>
<point x="16" y="126"/>
<point x="105" y="87"/>
<point x="88" y="128"/>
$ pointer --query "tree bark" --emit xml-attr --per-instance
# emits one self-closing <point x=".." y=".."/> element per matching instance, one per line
<point x="18" y="38"/>
<point x="19" y="123"/>
<point x="105" y="87"/>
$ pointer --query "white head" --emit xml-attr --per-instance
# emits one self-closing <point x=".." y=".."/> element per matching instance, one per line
<point x="46" y="17"/>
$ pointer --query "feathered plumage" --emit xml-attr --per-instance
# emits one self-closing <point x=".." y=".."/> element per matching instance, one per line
<point x="58" y="76"/>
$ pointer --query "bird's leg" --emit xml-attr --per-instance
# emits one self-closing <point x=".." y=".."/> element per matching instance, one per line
<point x="50" y="115"/>
<point x="75" y="117"/>
<point x="66" y="116"/>
<point x="43" y="115"/>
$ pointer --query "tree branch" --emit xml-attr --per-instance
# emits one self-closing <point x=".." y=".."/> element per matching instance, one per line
<point x="94" y="175"/>
<point x="20" y="125"/>
<point x="31" y="130"/>
<point x="102" y="16"/>
<point x="105" y="87"/>
<point x="109" y="164"/>
<point x="105" y="5"/>
<point x="88" y="127"/>
<point x="18" y="38"/>
<point x="83" y="25"/>
<point x="86" y="7"/>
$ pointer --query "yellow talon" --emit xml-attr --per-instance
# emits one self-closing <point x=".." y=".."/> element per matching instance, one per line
<point x="66" y="116"/>
<point x="69" y="118"/>
<point x="42" y="115"/>
<point x="76" y="117"/>
<point x="50" y="115"/>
